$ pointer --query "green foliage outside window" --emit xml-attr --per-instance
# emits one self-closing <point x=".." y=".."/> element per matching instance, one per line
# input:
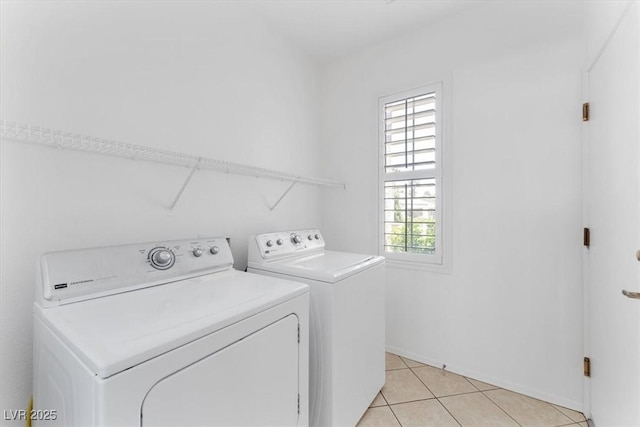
<point x="415" y="241"/>
<point x="415" y="234"/>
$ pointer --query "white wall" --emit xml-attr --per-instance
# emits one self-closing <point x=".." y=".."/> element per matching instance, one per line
<point x="510" y="309"/>
<point x="200" y="78"/>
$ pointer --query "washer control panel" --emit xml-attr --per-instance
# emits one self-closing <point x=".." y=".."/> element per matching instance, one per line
<point x="284" y="243"/>
<point x="70" y="276"/>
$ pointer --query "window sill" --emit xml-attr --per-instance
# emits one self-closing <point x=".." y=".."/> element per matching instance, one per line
<point x="417" y="265"/>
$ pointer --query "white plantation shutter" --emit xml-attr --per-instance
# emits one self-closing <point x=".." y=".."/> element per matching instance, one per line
<point x="411" y="175"/>
<point x="410" y="133"/>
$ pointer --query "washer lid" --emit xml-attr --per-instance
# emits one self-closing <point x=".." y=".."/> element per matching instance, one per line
<point x="116" y="332"/>
<point x="326" y="266"/>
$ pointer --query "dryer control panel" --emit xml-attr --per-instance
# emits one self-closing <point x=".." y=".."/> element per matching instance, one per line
<point x="281" y="244"/>
<point x="75" y="275"/>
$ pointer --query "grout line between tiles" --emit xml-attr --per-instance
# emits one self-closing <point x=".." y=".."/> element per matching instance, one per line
<point x="448" y="395"/>
<point x="447" y="409"/>
<point x="571" y="422"/>
<point x="422" y="400"/>
<point x="494" y="387"/>
<point x="435" y="397"/>
<point x="459" y="394"/>
<point x="395" y="369"/>
<point x="568" y="417"/>
<point x="500" y="407"/>
<point x="394" y="414"/>
<point x="423" y="383"/>
<point x="411" y="401"/>
<point x="383" y="398"/>
<point x="472" y="384"/>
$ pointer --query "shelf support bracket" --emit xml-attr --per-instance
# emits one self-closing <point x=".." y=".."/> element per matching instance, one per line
<point x="283" y="194"/>
<point x="186" y="182"/>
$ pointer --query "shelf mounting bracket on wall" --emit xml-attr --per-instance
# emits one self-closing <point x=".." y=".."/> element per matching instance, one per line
<point x="186" y="182"/>
<point x="283" y="194"/>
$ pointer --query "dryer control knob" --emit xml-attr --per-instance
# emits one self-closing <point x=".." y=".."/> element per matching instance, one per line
<point x="317" y="237"/>
<point x="279" y="242"/>
<point x="310" y="237"/>
<point x="214" y="250"/>
<point x="161" y="258"/>
<point x="269" y="243"/>
<point x="296" y="239"/>
<point x="197" y="252"/>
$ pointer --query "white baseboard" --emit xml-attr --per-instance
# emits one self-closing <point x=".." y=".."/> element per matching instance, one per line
<point x="518" y="388"/>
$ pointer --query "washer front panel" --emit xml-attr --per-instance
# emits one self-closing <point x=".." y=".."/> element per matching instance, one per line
<point x="347" y="345"/>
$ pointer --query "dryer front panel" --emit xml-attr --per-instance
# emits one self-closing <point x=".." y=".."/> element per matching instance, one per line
<point x="253" y="381"/>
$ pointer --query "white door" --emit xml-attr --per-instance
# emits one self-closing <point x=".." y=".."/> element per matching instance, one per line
<point x="613" y="212"/>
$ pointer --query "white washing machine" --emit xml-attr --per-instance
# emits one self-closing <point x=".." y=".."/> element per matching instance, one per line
<point x="167" y="334"/>
<point x="347" y="325"/>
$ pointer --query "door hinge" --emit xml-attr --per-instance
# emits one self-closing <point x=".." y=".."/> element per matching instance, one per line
<point x="585" y="112"/>
<point x="586" y="237"/>
<point x="298" y="404"/>
<point x="587" y="367"/>
<point x="298" y="333"/>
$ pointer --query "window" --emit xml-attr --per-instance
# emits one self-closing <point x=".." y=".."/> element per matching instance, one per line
<point x="411" y="175"/>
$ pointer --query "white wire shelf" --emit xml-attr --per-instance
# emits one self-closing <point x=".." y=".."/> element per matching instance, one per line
<point x="73" y="141"/>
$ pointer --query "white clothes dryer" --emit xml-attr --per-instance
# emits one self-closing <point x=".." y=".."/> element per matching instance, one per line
<point x="347" y="325"/>
<point x="168" y="334"/>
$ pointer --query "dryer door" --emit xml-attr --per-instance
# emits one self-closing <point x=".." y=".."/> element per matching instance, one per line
<point x="253" y="381"/>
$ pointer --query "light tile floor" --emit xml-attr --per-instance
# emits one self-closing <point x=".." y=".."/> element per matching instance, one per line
<point x="420" y="395"/>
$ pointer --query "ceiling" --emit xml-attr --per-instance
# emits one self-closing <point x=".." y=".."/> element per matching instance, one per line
<point x="330" y="29"/>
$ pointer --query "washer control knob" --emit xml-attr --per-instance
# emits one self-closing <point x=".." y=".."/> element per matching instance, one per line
<point x="161" y="258"/>
<point x="197" y="252"/>
<point x="317" y="236"/>
<point x="296" y="239"/>
<point x="269" y="243"/>
<point x="214" y="250"/>
<point x="279" y="242"/>
<point x="310" y="237"/>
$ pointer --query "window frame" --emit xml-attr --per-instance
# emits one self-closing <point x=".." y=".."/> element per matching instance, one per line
<point x="437" y="258"/>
